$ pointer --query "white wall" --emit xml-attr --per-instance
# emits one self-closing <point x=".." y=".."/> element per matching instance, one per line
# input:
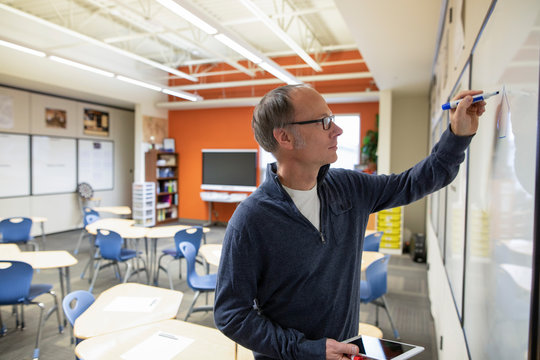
<point x="62" y="210"/>
<point x="409" y="145"/>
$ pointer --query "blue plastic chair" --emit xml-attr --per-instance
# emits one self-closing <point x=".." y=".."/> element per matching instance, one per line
<point x="17" y="230"/>
<point x="110" y="248"/>
<point x="74" y="304"/>
<point x="198" y="283"/>
<point x="89" y="217"/>
<point x="373" y="241"/>
<point x="16" y="289"/>
<point x="373" y="289"/>
<point x="192" y="235"/>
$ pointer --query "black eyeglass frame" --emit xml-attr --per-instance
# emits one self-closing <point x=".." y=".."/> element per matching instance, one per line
<point x="325" y="121"/>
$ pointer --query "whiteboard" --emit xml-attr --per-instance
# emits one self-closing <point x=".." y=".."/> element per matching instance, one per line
<point x="14" y="165"/>
<point x="96" y="164"/>
<point x="54" y="165"/>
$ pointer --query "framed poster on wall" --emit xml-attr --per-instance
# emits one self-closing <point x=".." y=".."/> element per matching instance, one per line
<point x="54" y="168"/>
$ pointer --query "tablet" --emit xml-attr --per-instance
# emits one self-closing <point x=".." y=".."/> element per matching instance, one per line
<point x="381" y="349"/>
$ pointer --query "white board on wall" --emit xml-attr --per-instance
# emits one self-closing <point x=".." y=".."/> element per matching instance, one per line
<point x="14" y="165"/>
<point x="54" y="165"/>
<point x="96" y="164"/>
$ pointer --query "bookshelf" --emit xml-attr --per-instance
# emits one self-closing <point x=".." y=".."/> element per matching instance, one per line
<point x="162" y="168"/>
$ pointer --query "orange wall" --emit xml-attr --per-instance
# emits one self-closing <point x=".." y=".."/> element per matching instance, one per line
<point x="194" y="130"/>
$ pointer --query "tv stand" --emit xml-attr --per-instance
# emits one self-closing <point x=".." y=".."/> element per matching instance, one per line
<point x="211" y="197"/>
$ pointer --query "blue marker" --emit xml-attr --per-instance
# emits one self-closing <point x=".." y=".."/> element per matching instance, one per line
<point x="477" y="98"/>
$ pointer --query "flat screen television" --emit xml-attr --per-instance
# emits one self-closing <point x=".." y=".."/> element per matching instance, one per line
<point x="229" y="169"/>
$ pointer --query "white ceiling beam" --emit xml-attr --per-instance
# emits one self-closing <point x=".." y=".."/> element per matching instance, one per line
<point x="281" y="34"/>
<point x="309" y="78"/>
<point x="98" y="43"/>
<point x="331" y="98"/>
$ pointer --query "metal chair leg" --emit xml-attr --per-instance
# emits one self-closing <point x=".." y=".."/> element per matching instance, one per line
<point x="396" y="334"/>
<point x="40" y="324"/>
<point x="192" y="304"/>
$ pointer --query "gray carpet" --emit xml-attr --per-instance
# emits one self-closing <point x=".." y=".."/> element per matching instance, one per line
<point x="407" y="299"/>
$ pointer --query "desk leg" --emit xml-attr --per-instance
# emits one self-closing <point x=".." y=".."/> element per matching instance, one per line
<point x="153" y="255"/>
<point x="43" y="234"/>
<point x="209" y="214"/>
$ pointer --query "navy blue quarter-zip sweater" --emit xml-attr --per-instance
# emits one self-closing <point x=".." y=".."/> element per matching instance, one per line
<point x="284" y="286"/>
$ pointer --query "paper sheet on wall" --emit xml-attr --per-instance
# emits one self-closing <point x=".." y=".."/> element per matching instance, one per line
<point x="161" y="345"/>
<point x="132" y="304"/>
<point x="6" y="112"/>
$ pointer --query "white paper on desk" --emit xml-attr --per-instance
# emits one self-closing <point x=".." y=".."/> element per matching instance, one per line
<point x="217" y="253"/>
<point x="161" y="345"/>
<point x="132" y="304"/>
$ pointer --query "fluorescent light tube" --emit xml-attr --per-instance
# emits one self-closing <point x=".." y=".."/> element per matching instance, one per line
<point x="22" y="48"/>
<point x="238" y="48"/>
<point x="274" y="71"/>
<point x="188" y="16"/>
<point x="81" y="66"/>
<point x="182" y="94"/>
<point x="138" y="83"/>
<point x="99" y="43"/>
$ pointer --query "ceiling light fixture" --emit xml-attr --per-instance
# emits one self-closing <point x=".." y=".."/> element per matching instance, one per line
<point x="279" y="74"/>
<point x="182" y="94"/>
<point x="188" y="16"/>
<point x="99" y="43"/>
<point x="22" y="48"/>
<point x="81" y="66"/>
<point x="281" y="34"/>
<point x="138" y="83"/>
<point x="238" y="48"/>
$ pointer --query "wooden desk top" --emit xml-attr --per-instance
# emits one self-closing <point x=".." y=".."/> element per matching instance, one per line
<point x="9" y="249"/>
<point x="117" y="210"/>
<point x="126" y="306"/>
<point x="114" y="224"/>
<point x="211" y="253"/>
<point x="200" y="342"/>
<point x="35" y="219"/>
<point x="368" y="257"/>
<point x="160" y="232"/>
<point x="42" y="259"/>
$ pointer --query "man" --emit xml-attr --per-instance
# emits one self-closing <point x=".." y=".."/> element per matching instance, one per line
<point x="289" y="277"/>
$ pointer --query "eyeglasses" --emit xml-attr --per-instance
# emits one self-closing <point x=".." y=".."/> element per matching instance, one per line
<point x="325" y="121"/>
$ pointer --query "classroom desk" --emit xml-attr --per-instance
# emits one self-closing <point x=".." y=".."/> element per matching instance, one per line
<point x="211" y="253"/>
<point x="113" y="224"/>
<point x="192" y="342"/>
<point x="42" y="260"/>
<point x="162" y="232"/>
<point x="368" y="257"/>
<point x="35" y="220"/>
<point x="126" y="306"/>
<point x="116" y="210"/>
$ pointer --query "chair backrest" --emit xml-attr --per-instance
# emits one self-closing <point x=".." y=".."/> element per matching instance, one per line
<point x="15" y="229"/>
<point x="373" y="241"/>
<point x="89" y="216"/>
<point x="376" y="276"/>
<point x="189" y="252"/>
<point x="75" y="303"/>
<point x="192" y="235"/>
<point x="15" y="281"/>
<point x="110" y="244"/>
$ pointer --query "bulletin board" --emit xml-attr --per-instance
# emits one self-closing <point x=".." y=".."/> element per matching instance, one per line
<point x="14" y="165"/>
<point x="54" y="165"/>
<point x="96" y="163"/>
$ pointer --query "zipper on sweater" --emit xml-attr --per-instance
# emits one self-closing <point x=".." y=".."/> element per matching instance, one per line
<point x="323" y="240"/>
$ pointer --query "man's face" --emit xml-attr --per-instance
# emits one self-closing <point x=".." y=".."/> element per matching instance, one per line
<point x="312" y="143"/>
